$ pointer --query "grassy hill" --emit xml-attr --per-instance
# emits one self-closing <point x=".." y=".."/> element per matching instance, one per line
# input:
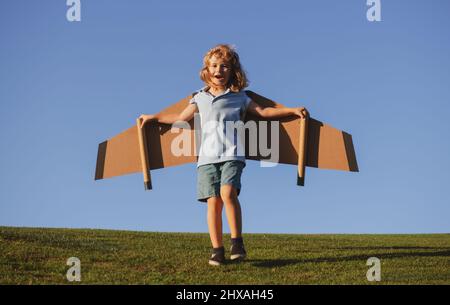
<point x="38" y="256"/>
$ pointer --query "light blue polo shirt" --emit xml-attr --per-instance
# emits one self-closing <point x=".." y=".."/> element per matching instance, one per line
<point x="216" y="144"/>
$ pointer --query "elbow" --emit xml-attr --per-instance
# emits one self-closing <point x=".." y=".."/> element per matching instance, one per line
<point x="265" y="113"/>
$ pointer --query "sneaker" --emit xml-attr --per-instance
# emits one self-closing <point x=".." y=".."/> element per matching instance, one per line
<point x="238" y="251"/>
<point x="217" y="256"/>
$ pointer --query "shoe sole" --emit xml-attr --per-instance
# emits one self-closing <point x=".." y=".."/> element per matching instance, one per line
<point x="236" y="257"/>
<point x="214" y="263"/>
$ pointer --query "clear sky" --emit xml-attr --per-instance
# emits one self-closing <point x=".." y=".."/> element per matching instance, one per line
<point x="67" y="86"/>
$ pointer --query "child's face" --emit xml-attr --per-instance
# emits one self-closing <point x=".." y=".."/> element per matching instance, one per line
<point x="219" y="71"/>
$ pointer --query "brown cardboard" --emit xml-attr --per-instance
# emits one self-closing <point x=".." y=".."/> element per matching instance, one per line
<point x="325" y="147"/>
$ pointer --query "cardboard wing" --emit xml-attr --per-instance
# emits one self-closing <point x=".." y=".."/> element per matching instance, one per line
<point x="302" y="142"/>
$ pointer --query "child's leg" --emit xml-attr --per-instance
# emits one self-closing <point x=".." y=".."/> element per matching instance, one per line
<point x="232" y="209"/>
<point x="215" y="206"/>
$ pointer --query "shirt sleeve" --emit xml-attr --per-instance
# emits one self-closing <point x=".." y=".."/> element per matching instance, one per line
<point x="247" y="101"/>
<point x="192" y="100"/>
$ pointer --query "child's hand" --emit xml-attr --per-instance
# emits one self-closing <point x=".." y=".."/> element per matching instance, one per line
<point x="301" y="112"/>
<point x="146" y="117"/>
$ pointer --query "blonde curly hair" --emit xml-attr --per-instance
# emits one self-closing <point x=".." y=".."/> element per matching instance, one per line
<point x="238" y="79"/>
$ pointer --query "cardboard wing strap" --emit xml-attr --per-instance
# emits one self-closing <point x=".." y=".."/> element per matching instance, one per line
<point x="302" y="146"/>
<point x="143" y="152"/>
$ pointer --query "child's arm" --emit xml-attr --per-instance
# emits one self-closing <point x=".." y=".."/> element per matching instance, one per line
<point x="274" y="113"/>
<point x="186" y="115"/>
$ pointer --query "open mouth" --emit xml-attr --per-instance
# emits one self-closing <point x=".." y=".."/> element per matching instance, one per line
<point x="219" y="77"/>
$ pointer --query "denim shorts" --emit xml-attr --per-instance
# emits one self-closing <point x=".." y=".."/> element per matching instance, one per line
<point x="210" y="177"/>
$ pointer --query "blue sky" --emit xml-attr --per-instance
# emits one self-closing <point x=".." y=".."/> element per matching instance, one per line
<point x="65" y="87"/>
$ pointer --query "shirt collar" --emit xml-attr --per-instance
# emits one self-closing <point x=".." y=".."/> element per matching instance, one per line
<point x="205" y="88"/>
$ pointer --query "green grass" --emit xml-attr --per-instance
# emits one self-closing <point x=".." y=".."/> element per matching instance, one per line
<point x="38" y="256"/>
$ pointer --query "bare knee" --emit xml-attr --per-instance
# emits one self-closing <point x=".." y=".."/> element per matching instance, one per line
<point x="228" y="194"/>
<point x="215" y="203"/>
